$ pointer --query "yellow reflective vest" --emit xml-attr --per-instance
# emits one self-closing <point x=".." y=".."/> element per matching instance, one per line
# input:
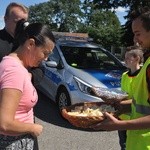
<point x="126" y="82"/>
<point x="139" y="139"/>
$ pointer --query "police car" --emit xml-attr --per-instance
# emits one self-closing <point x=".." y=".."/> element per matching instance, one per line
<point x="75" y="67"/>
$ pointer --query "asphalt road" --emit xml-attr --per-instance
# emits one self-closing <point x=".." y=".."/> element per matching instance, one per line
<point x="58" y="134"/>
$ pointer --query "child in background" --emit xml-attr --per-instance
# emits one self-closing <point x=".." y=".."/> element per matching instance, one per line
<point x="133" y="60"/>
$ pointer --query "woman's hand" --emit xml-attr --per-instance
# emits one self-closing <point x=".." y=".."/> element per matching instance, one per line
<point x="109" y="124"/>
<point x="37" y="130"/>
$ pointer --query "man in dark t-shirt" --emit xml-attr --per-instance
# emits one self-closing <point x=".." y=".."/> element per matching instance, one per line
<point x="15" y="12"/>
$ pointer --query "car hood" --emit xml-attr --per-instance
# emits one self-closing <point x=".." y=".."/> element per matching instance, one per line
<point x="98" y="78"/>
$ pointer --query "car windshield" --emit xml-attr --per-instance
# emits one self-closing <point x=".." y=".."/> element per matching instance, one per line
<point x="89" y="58"/>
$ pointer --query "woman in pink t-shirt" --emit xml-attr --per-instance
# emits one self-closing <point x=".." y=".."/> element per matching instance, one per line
<point x="17" y="94"/>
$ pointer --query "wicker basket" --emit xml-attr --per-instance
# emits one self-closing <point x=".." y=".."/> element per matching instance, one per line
<point x="83" y="121"/>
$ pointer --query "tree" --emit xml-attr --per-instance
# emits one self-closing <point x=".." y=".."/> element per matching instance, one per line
<point x="41" y="13"/>
<point x="75" y="16"/>
<point x="104" y="27"/>
<point x="127" y="35"/>
<point x="61" y="15"/>
<point x="106" y="4"/>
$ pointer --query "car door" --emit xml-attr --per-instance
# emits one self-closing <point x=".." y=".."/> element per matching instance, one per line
<point x="53" y="74"/>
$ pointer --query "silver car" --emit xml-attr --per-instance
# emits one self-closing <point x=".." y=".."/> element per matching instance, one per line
<point x="76" y="67"/>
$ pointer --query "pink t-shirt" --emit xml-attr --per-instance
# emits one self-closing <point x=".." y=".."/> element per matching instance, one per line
<point x="14" y="75"/>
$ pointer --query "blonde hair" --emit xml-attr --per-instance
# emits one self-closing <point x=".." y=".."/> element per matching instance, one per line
<point x="13" y="4"/>
<point x="135" y="51"/>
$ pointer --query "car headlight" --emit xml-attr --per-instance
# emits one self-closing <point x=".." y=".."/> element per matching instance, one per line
<point x="83" y="86"/>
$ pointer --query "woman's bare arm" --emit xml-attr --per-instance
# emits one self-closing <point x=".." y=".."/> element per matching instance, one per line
<point x="9" y="101"/>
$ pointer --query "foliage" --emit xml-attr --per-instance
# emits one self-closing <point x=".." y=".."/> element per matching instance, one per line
<point x="107" y="4"/>
<point x="76" y="16"/>
<point x="104" y="31"/>
<point x="127" y="36"/>
<point x="60" y="15"/>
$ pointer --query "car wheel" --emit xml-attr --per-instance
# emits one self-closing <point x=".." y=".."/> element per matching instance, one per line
<point x="63" y="98"/>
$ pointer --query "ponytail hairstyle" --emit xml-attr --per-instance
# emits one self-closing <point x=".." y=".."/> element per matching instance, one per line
<point x="37" y="31"/>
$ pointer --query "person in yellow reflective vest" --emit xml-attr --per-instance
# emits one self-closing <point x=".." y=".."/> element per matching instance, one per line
<point x="138" y="127"/>
<point x="133" y="60"/>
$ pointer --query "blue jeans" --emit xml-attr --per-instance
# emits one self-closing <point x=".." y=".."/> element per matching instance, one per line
<point x="122" y="139"/>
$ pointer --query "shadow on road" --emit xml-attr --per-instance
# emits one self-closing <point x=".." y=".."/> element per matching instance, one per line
<point x="47" y="111"/>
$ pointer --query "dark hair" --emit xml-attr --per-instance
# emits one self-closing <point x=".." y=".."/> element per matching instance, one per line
<point x="37" y="31"/>
<point x="142" y="13"/>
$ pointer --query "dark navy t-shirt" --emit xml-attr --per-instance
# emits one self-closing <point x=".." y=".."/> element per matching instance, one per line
<point x="6" y="43"/>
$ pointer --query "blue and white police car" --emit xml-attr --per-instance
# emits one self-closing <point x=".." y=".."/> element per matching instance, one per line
<point x="75" y="67"/>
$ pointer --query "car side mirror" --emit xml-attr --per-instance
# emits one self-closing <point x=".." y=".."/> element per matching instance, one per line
<point x="51" y="64"/>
